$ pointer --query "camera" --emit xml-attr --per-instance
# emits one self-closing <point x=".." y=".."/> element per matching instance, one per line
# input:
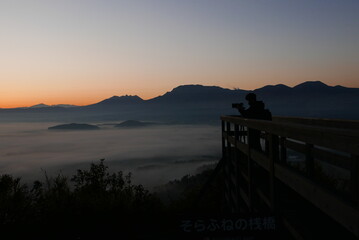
<point x="237" y="105"/>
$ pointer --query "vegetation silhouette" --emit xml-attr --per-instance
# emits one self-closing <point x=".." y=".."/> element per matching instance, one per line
<point x="95" y="203"/>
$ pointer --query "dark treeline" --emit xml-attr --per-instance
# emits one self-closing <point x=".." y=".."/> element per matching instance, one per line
<point x="98" y="204"/>
<point x="95" y="203"/>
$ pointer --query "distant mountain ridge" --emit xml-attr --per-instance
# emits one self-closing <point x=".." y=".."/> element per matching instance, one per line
<point x="190" y="93"/>
<point x="198" y="103"/>
<point x="127" y="99"/>
<point x="195" y="92"/>
<point x="42" y="105"/>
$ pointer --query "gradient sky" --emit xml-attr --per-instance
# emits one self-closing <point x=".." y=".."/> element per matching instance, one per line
<point x="82" y="51"/>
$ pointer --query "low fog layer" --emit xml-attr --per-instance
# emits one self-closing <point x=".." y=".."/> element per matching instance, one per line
<point x="154" y="155"/>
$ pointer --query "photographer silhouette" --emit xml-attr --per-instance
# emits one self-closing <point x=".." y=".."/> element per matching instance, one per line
<point x="256" y="110"/>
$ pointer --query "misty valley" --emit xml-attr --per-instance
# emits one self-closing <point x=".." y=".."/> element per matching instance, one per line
<point x="155" y="154"/>
<point x="97" y="182"/>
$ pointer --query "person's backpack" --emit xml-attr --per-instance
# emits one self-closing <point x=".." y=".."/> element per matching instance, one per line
<point x="267" y="115"/>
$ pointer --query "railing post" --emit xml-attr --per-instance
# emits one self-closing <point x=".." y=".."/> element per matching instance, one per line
<point x="223" y="141"/>
<point x="236" y="132"/>
<point x="236" y="166"/>
<point x="354" y="176"/>
<point x="250" y="173"/>
<point x="273" y="157"/>
<point x="229" y="172"/>
<point x="354" y="180"/>
<point x="283" y="150"/>
<point x="228" y="130"/>
<point x="309" y="160"/>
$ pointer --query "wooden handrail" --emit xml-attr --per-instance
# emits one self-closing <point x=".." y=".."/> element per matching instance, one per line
<point x="321" y="122"/>
<point x="332" y="141"/>
<point x="345" y="140"/>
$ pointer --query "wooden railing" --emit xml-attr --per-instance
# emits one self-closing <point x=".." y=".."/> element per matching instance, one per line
<point x="317" y="159"/>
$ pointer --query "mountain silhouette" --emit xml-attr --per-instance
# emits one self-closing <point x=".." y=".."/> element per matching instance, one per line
<point x="74" y="126"/>
<point x="313" y="85"/>
<point x="133" y="124"/>
<point x="127" y="99"/>
<point x="201" y="104"/>
<point x="42" y="105"/>
<point x="194" y="93"/>
<point x="280" y="88"/>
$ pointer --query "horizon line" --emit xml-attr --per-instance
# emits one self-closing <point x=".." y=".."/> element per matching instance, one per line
<point x="146" y="99"/>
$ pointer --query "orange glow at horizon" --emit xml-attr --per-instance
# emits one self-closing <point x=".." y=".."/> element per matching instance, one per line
<point x="85" y="96"/>
<point x="33" y="87"/>
<point x="30" y="88"/>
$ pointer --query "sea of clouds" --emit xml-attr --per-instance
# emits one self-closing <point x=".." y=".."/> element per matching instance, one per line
<point x="154" y="155"/>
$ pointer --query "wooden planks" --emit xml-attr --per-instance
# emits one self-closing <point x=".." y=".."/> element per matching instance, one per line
<point x="339" y="210"/>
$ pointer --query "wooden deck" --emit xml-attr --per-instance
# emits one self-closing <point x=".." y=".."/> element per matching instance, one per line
<point x="304" y="164"/>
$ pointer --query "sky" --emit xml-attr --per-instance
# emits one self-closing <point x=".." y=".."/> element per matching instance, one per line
<point x="83" y="51"/>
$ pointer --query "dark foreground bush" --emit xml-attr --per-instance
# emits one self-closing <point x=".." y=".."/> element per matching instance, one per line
<point x="98" y="203"/>
<point x="95" y="204"/>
